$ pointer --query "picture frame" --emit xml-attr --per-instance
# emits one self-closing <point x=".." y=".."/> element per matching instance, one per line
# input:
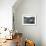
<point x="28" y="20"/>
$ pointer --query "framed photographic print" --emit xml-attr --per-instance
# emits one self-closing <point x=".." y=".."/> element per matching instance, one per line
<point x="29" y="20"/>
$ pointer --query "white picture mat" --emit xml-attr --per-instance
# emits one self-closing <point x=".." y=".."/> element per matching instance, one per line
<point x="28" y="16"/>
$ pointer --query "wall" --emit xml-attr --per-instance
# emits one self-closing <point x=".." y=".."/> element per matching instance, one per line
<point x="43" y="22"/>
<point x="29" y="7"/>
<point x="6" y="13"/>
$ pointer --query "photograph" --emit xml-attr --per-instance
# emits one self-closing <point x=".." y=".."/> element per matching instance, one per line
<point x="28" y="20"/>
